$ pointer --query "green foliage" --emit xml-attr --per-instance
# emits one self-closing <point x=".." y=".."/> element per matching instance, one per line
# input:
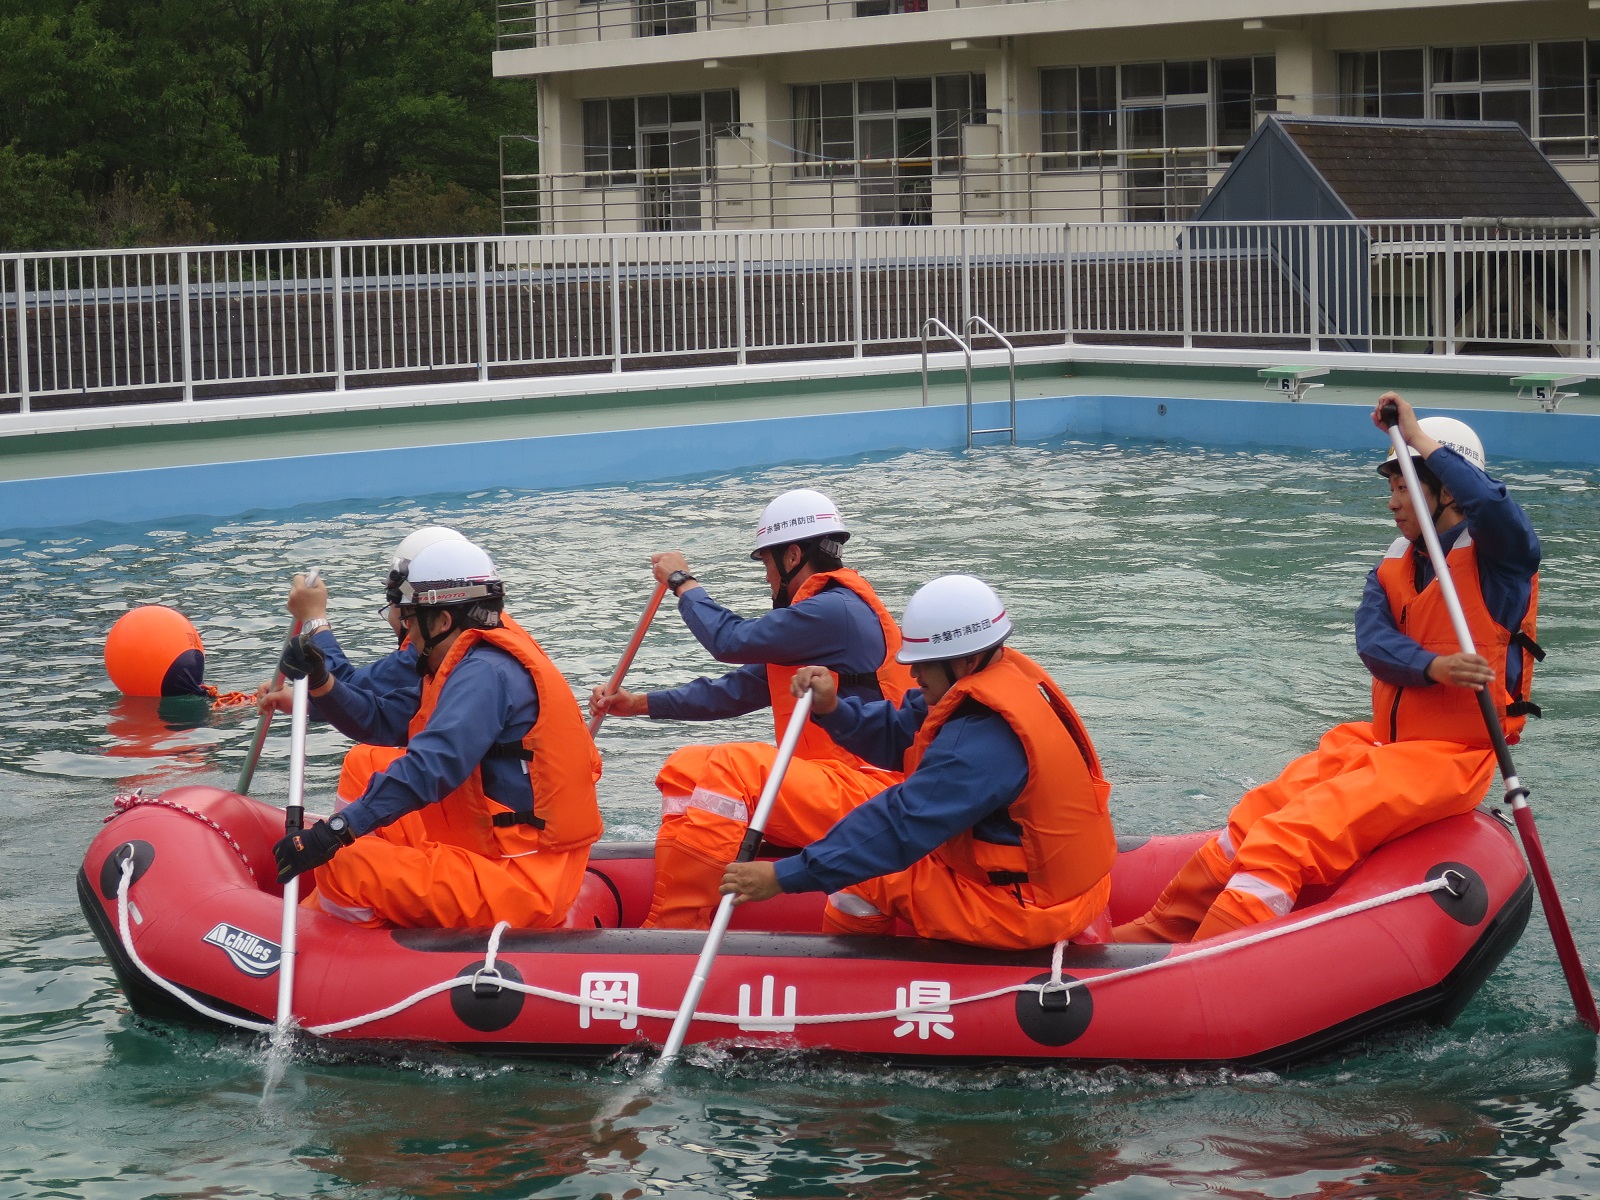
<point x="412" y="206"/>
<point x="137" y="121"/>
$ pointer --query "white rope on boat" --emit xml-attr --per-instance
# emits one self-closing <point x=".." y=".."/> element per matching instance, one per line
<point x="488" y="975"/>
<point x="127" y="944"/>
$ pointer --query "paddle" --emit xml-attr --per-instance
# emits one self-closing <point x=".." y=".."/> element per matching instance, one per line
<point x="1516" y="793"/>
<point x="627" y="655"/>
<point x="248" y="773"/>
<point x="747" y="851"/>
<point x="294" y="820"/>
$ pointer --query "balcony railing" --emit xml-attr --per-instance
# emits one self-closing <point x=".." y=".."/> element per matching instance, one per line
<point x="93" y="329"/>
<point x="522" y="24"/>
<point x="1168" y="183"/>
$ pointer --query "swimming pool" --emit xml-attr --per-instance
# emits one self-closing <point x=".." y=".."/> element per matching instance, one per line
<point x="1195" y="601"/>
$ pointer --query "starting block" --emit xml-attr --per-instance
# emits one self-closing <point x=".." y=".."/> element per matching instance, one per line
<point x="1291" y="381"/>
<point x="1546" y="389"/>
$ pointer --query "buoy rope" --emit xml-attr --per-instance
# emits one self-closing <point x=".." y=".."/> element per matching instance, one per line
<point x="489" y="976"/>
<point x="132" y="800"/>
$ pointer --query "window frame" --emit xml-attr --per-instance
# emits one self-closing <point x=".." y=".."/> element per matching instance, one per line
<point x="1112" y="125"/>
<point x="1437" y="93"/>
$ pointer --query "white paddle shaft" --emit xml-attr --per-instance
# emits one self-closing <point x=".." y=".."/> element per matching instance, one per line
<point x="1430" y="537"/>
<point x="719" y="924"/>
<point x="291" y="890"/>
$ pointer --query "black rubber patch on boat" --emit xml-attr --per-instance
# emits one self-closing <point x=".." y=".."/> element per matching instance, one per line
<point x="486" y="1006"/>
<point x="111" y="870"/>
<point x="1055" y="1018"/>
<point x="1467" y="899"/>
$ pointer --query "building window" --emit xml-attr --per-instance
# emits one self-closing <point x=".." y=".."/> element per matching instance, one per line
<point x="1184" y="116"/>
<point x="1191" y="105"/>
<point x="654" y="133"/>
<point x="1383" y="83"/>
<point x="882" y="8"/>
<point x="1548" y="88"/>
<point x="907" y="129"/>
<point x="917" y="119"/>
<point x="661" y="145"/>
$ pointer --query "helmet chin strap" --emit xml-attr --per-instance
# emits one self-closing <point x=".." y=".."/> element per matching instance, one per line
<point x="780" y="598"/>
<point x="429" y="641"/>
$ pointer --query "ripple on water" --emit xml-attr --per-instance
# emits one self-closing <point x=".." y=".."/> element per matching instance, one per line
<point x="1195" y="602"/>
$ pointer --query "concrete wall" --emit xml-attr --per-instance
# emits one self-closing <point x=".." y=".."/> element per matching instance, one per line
<point x="637" y="455"/>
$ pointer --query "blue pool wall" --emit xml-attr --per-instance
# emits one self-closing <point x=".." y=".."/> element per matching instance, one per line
<point x="639" y="455"/>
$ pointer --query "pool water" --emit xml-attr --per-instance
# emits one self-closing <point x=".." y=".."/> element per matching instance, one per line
<point x="1195" y="602"/>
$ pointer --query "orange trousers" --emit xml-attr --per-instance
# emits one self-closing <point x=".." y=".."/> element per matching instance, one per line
<point x="1326" y="812"/>
<point x="938" y="903"/>
<point x="401" y="875"/>
<point x="708" y="794"/>
<point x="361" y="763"/>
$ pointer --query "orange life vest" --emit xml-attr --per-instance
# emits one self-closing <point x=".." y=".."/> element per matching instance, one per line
<point x="563" y="764"/>
<point x="1440" y="711"/>
<point x="894" y="679"/>
<point x="1068" y="844"/>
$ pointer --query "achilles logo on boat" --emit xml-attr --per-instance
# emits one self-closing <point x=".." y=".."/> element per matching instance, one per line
<point x="251" y="954"/>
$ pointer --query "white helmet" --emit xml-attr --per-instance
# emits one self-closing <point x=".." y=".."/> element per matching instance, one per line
<point x="953" y="616"/>
<point x="448" y="573"/>
<point x="1447" y="431"/>
<point x="798" y="516"/>
<point x="419" y="540"/>
<point x="412" y="545"/>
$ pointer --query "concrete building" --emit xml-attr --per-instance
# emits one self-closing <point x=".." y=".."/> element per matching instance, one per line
<point x="660" y="115"/>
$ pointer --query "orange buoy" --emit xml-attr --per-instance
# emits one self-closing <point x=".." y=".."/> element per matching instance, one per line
<point x="153" y="650"/>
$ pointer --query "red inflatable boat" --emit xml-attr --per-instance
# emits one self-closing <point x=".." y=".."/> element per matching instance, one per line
<point x="1409" y="936"/>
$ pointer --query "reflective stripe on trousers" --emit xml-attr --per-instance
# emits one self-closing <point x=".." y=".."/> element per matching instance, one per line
<point x="705" y="799"/>
<point x="1275" y="898"/>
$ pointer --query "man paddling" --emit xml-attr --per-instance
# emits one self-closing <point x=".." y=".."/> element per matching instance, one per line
<point x="490" y="813"/>
<point x="1425" y="754"/>
<point x="821" y="613"/>
<point x="1000" y="833"/>
<point x="395" y="672"/>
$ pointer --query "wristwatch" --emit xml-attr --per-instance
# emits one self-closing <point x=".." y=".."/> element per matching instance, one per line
<point x="339" y="826"/>
<point x="314" y="625"/>
<point x="678" y="578"/>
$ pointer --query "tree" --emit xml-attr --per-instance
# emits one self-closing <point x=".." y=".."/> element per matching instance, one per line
<point x="259" y="117"/>
<point x="38" y="208"/>
<point x="412" y="206"/>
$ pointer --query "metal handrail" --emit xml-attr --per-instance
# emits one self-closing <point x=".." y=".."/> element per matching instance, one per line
<point x="1011" y="356"/>
<point x="966" y="352"/>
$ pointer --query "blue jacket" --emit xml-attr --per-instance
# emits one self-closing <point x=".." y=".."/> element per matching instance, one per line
<point x="1508" y="557"/>
<point x="488" y="699"/>
<point x="972" y="773"/>
<point x="393" y="677"/>
<point x="835" y="628"/>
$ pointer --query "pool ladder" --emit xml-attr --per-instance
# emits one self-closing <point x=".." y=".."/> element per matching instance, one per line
<point x="936" y="326"/>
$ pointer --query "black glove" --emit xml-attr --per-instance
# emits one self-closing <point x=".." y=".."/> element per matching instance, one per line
<point x="302" y="659"/>
<point x="302" y="851"/>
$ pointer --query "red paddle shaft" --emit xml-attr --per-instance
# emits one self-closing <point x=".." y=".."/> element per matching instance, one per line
<point x="1516" y="793"/>
<point x="627" y="655"/>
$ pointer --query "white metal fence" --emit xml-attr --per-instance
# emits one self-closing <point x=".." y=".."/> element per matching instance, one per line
<point x="90" y="329"/>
